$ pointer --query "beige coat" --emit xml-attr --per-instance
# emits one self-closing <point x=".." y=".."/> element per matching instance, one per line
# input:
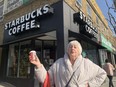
<point x="109" y="68"/>
<point x="61" y="71"/>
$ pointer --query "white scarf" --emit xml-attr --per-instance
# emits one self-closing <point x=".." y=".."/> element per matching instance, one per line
<point x="72" y="68"/>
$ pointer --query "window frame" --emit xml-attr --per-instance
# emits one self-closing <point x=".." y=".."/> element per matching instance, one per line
<point x="89" y="11"/>
<point x="79" y="2"/>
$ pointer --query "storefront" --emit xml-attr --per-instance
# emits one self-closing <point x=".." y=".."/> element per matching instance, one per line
<point x="108" y="52"/>
<point x="88" y="37"/>
<point x="47" y="30"/>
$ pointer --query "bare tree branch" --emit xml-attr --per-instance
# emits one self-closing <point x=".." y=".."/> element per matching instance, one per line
<point x="111" y="19"/>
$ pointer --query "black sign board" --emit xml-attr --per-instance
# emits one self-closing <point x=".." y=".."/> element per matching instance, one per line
<point x="28" y="21"/>
<point x="86" y="25"/>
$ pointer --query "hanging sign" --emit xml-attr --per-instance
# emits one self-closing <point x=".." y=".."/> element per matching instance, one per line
<point x="86" y="25"/>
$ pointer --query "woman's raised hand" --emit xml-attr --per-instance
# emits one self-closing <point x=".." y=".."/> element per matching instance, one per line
<point x="34" y="59"/>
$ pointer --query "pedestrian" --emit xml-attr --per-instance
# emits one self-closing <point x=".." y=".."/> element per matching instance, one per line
<point x="72" y="70"/>
<point x="109" y="68"/>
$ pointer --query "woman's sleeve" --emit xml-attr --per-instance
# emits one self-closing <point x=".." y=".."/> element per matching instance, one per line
<point x="45" y="77"/>
<point x="47" y="81"/>
<point x="99" y="75"/>
<point x="51" y="72"/>
<point x="41" y="74"/>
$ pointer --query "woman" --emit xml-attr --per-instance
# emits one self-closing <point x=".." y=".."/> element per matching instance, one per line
<point x="70" y="71"/>
<point x="109" y="68"/>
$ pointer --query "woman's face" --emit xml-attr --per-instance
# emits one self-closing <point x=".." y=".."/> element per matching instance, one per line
<point x="73" y="51"/>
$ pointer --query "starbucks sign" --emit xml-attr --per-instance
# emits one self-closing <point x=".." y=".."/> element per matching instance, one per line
<point x="27" y="21"/>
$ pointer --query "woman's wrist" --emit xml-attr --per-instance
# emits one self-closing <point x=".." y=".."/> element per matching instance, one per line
<point x="38" y="66"/>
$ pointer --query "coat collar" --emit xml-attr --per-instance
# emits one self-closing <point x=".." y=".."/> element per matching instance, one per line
<point x="68" y="64"/>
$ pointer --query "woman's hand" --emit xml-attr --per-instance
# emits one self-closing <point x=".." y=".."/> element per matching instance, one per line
<point x="87" y="85"/>
<point x="34" y="59"/>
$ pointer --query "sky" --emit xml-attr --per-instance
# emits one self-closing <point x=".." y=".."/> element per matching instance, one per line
<point x="104" y="9"/>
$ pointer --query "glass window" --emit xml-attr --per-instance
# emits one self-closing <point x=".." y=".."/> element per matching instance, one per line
<point x="79" y="2"/>
<point x="49" y="53"/>
<point x="97" y="20"/>
<point x="90" y="51"/>
<point x="18" y="63"/>
<point x="89" y="10"/>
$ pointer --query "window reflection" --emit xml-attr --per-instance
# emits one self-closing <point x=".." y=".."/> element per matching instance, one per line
<point x="90" y="51"/>
<point x="79" y="2"/>
<point x="18" y="63"/>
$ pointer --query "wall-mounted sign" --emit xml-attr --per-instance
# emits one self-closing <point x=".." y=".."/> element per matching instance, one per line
<point x="86" y="25"/>
<point x="87" y="30"/>
<point x="28" y="21"/>
<point x="106" y="43"/>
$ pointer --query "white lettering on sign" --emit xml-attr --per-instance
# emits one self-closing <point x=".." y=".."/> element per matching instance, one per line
<point x="22" y="27"/>
<point x="88" y="25"/>
<point x="26" y="22"/>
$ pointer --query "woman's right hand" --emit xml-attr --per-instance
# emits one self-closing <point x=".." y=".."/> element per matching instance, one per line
<point x="34" y="59"/>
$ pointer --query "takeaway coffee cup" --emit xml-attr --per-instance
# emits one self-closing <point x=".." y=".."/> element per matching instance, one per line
<point x="32" y="54"/>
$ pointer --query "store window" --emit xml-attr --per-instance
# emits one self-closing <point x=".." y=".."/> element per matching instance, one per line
<point x="90" y="51"/>
<point x="10" y="5"/>
<point x="18" y="63"/>
<point x="46" y="51"/>
<point x="97" y="20"/>
<point x="79" y="2"/>
<point x="89" y="10"/>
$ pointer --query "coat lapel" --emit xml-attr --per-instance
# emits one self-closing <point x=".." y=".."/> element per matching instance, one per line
<point x="70" y="69"/>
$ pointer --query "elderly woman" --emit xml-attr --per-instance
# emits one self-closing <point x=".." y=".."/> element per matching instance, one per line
<point x="70" y="71"/>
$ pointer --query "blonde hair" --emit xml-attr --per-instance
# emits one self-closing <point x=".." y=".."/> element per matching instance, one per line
<point x="76" y="43"/>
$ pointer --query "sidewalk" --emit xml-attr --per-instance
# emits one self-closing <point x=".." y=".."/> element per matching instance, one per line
<point x="106" y="83"/>
<point x="5" y="84"/>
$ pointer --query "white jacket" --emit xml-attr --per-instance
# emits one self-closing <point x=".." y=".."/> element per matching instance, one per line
<point x="61" y="71"/>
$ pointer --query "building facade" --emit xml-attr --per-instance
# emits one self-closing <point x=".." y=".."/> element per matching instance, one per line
<point x="47" y="26"/>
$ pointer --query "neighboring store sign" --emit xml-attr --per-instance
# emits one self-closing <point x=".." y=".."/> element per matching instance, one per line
<point x="10" y="5"/>
<point x="28" y="21"/>
<point x="106" y="43"/>
<point x="1" y="10"/>
<point x="86" y="25"/>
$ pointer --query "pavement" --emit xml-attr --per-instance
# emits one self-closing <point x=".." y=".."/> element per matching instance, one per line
<point x="106" y="83"/>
